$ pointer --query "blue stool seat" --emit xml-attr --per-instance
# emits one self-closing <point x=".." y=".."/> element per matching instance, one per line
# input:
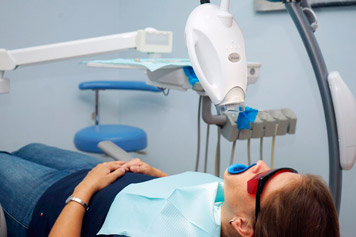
<point x="127" y="137"/>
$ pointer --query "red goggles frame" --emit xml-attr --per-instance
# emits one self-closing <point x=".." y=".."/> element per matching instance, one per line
<point x="256" y="184"/>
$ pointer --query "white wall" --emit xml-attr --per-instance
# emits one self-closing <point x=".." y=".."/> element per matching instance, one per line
<point x="45" y="105"/>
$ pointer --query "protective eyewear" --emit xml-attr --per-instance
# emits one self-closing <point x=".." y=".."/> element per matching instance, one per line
<point x="256" y="184"/>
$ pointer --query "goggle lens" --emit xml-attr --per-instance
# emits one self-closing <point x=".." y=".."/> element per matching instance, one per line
<point x="252" y="184"/>
<point x="256" y="184"/>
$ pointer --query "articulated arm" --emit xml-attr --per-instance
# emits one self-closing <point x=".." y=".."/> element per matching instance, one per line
<point x="148" y="40"/>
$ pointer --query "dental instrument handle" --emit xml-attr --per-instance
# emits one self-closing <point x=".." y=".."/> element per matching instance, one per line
<point x="232" y="152"/>
<point x="198" y="135"/>
<point x="114" y="151"/>
<point x="217" y="156"/>
<point x="273" y="145"/>
<point x="261" y="148"/>
<point x="249" y="151"/>
<point x="225" y="5"/>
<point x="206" y="148"/>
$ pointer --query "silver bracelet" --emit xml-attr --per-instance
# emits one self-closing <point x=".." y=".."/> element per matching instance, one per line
<point x="77" y="200"/>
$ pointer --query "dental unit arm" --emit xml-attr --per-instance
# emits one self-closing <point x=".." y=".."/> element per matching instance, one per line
<point x="217" y="52"/>
<point x="148" y="40"/>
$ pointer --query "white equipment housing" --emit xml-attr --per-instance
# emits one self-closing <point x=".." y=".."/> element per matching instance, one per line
<point x="217" y="52"/>
<point x="345" y="112"/>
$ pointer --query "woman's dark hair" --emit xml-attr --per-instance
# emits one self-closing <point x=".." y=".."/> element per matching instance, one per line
<point x="304" y="208"/>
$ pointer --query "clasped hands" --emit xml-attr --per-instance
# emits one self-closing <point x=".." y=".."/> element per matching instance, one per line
<point x="105" y="173"/>
<point x="69" y="222"/>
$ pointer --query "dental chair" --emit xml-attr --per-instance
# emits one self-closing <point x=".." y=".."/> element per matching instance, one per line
<point x="128" y="138"/>
<point x="3" y="229"/>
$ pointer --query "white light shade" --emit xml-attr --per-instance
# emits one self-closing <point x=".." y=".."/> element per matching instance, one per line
<point x="345" y="113"/>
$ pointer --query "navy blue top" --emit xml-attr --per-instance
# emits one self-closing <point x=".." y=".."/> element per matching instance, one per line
<point x="52" y="202"/>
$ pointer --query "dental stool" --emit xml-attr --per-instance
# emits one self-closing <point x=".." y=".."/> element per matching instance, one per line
<point x="129" y="138"/>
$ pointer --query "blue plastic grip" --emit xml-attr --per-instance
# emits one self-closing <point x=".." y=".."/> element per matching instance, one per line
<point x="192" y="77"/>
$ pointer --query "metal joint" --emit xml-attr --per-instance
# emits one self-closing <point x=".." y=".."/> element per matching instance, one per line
<point x="208" y="117"/>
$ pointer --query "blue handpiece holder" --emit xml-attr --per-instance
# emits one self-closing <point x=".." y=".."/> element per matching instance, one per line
<point x="246" y="117"/>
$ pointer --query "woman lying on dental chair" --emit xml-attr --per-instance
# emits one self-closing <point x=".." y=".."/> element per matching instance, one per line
<point x="251" y="201"/>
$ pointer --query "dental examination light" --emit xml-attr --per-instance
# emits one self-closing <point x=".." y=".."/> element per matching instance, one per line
<point x="148" y="40"/>
<point x="217" y="52"/>
<point x="216" y="49"/>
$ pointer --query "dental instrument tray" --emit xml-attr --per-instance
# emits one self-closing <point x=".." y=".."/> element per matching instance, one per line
<point x="166" y="72"/>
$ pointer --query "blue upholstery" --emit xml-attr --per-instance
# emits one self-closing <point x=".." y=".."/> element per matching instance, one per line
<point x="117" y="85"/>
<point x="127" y="137"/>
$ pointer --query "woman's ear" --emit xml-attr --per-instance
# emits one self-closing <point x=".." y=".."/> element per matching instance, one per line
<point x="242" y="226"/>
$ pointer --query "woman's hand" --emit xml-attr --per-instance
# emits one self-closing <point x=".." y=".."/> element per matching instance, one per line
<point x="69" y="222"/>
<point x="100" y="177"/>
<point x="138" y="166"/>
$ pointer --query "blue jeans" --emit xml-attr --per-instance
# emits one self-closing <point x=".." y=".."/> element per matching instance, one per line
<point x="27" y="173"/>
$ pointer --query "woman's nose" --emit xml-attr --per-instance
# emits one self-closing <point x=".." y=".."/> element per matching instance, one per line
<point x="261" y="166"/>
